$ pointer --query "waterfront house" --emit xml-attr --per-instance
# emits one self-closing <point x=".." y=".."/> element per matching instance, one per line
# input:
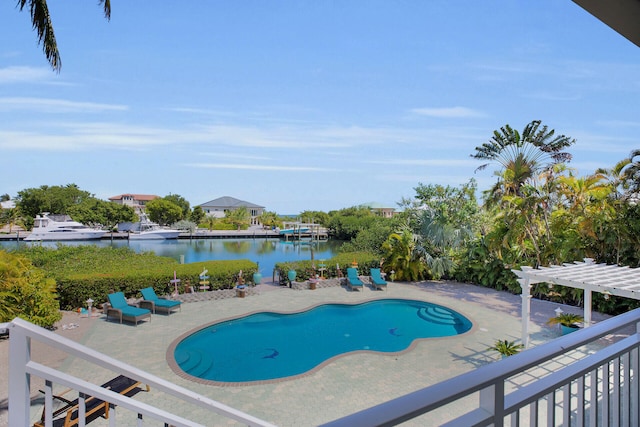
<point x="380" y="209"/>
<point x="218" y="208"/>
<point x="136" y="201"/>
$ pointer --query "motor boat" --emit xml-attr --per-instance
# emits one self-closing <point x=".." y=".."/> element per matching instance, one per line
<point x="61" y="227"/>
<point x="149" y="230"/>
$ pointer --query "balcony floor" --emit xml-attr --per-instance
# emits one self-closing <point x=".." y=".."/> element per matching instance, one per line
<point x="346" y="385"/>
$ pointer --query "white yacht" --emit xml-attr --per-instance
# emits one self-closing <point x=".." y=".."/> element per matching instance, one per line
<point x="151" y="231"/>
<point x="61" y="227"/>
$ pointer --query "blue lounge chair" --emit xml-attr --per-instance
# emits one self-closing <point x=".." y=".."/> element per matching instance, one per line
<point x="152" y="302"/>
<point x="119" y="308"/>
<point x="377" y="282"/>
<point x="353" y="281"/>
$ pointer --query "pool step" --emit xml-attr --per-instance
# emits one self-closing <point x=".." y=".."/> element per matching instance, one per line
<point x="194" y="362"/>
<point x="438" y="315"/>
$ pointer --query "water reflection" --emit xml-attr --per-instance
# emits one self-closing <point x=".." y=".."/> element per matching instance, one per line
<point x="267" y="252"/>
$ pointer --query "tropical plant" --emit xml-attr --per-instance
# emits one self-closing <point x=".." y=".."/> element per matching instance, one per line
<point x="185" y="225"/>
<point x="269" y="219"/>
<point x="506" y="347"/>
<point x="565" y="319"/>
<point x="523" y="156"/>
<point x="345" y="224"/>
<point x="97" y="212"/>
<point x="176" y="199"/>
<point x="617" y="177"/>
<point x="26" y="292"/>
<point x="370" y="239"/>
<point x="441" y="240"/>
<point x="455" y="206"/>
<point x="41" y="22"/>
<point x="632" y="173"/>
<point x="197" y="215"/>
<point x="163" y="211"/>
<point x="55" y="200"/>
<point x="404" y="254"/>
<point x="315" y="217"/>
<point x="239" y="218"/>
<point x="11" y="217"/>
<point x="209" y="222"/>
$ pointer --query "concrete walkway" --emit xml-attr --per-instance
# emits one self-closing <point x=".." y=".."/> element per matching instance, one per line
<point x="346" y="385"/>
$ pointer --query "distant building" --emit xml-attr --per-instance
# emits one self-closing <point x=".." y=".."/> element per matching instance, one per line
<point x="218" y="208"/>
<point x="136" y="201"/>
<point x="379" y="209"/>
<point x="9" y="204"/>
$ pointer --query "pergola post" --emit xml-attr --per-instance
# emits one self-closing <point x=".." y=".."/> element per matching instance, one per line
<point x="587" y="307"/>
<point x="525" y="284"/>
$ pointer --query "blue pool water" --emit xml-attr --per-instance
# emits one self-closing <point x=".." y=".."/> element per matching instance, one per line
<point x="267" y="346"/>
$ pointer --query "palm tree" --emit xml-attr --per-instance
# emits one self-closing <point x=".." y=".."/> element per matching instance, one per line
<point x="617" y="176"/>
<point x="443" y="239"/>
<point x="523" y="156"/>
<point x="404" y="255"/>
<point x="632" y="174"/>
<point x="41" y="21"/>
<point x="238" y="217"/>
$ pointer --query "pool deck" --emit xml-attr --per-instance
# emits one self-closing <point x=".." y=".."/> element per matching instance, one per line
<point x="344" y="386"/>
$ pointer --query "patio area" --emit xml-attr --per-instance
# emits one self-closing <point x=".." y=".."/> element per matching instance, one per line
<point x="346" y="385"/>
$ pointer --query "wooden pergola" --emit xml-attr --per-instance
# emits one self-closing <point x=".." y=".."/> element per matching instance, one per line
<point x="587" y="275"/>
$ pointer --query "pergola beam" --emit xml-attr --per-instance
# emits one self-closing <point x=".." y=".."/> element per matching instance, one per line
<point x="588" y="276"/>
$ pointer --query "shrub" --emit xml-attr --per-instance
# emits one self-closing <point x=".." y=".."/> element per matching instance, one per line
<point x="84" y="272"/>
<point x="26" y="292"/>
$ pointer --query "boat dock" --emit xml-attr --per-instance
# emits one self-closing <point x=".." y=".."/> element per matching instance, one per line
<point x="205" y="234"/>
<point x="303" y="231"/>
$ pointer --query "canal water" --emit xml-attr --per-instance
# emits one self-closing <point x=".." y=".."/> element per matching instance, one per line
<point x="266" y="252"/>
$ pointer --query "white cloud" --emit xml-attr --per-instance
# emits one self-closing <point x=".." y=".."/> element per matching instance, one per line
<point x="450" y="112"/>
<point x="22" y="74"/>
<point x="48" y="105"/>
<point x="277" y="168"/>
<point x="427" y="162"/>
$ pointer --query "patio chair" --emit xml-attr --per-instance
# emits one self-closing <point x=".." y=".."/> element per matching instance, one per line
<point x="119" y="308"/>
<point x="94" y="407"/>
<point x="152" y="302"/>
<point x="377" y="282"/>
<point x="353" y="281"/>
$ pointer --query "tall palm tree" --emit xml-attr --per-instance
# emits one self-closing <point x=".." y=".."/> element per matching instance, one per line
<point x="632" y="174"/>
<point x="617" y="176"/>
<point x="443" y="240"/>
<point x="41" y="22"/>
<point x="523" y="156"/>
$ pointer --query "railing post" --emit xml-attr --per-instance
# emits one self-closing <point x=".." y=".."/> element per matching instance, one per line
<point x="492" y="401"/>
<point x="19" y="379"/>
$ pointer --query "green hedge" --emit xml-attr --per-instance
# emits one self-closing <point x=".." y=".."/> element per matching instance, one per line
<point x="74" y="290"/>
<point x="83" y="272"/>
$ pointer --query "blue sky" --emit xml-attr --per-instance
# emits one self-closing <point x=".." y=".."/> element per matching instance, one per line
<point x="303" y="105"/>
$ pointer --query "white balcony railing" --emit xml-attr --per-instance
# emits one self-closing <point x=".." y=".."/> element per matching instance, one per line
<point x="600" y="388"/>
<point x="589" y="377"/>
<point x="21" y="367"/>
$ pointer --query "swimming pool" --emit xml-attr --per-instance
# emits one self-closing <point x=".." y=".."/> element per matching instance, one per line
<point x="269" y="346"/>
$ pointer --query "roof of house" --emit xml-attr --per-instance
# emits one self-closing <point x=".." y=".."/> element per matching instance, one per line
<point x="229" y="202"/>
<point x="135" y="196"/>
<point x="376" y="205"/>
